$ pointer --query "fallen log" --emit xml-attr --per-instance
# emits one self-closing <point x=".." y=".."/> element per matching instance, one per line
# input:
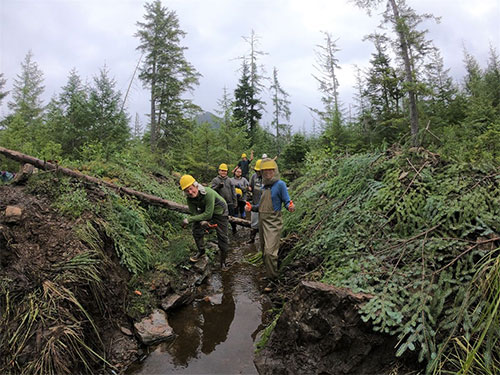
<point x="143" y="197"/>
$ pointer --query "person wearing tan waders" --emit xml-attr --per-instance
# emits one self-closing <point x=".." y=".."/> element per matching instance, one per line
<point x="255" y="187"/>
<point x="274" y="196"/>
<point x="208" y="209"/>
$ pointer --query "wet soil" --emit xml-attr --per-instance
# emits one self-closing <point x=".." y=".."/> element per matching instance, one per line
<point x="216" y="334"/>
<point x="32" y="248"/>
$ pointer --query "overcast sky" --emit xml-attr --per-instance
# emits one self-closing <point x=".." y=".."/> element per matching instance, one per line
<point x="88" y="34"/>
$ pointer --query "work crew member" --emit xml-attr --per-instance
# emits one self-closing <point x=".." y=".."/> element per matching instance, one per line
<point x="223" y="185"/>
<point x="206" y="206"/>
<point x="240" y="186"/>
<point x="274" y="196"/>
<point x="244" y="164"/>
<point x="255" y="186"/>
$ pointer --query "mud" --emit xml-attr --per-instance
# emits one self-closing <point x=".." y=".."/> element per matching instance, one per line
<point x="31" y="247"/>
<point x="321" y="332"/>
<point x="216" y="333"/>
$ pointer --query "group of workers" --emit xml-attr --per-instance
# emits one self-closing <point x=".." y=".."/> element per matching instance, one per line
<point x="211" y="206"/>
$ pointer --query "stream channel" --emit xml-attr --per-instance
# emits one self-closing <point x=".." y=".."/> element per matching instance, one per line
<point x="215" y="334"/>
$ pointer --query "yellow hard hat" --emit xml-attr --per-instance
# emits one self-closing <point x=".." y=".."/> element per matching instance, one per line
<point x="268" y="164"/>
<point x="186" y="181"/>
<point x="223" y="167"/>
<point x="238" y="191"/>
<point x="243" y="155"/>
<point x="257" y="164"/>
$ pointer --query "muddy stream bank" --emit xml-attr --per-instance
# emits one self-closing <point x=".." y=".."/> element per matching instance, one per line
<point x="216" y="333"/>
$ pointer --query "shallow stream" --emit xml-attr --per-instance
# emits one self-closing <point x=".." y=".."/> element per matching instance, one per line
<point x="215" y="334"/>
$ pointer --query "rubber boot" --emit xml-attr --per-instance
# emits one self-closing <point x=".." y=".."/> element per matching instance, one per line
<point x="223" y="263"/>
<point x="253" y="234"/>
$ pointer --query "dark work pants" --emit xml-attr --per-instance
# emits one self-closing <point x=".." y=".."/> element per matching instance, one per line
<point x="233" y="211"/>
<point x="222" y="237"/>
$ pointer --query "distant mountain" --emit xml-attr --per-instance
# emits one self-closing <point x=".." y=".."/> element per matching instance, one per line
<point x="207" y="117"/>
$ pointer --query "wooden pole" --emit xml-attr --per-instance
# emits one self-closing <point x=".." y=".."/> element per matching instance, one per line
<point x="143" y="197"/>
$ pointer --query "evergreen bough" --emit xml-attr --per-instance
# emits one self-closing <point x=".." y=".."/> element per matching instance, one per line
<point x="420" y="235"/>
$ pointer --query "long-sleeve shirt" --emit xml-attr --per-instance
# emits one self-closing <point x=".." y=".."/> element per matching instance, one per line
<point x="245" y="166"/>
<point x="241" y="183"/>
<point x="226" y="190"/>
<point x="279" y="196"/>
<point x="205" y="205"/>
<point x="256" y="185"/>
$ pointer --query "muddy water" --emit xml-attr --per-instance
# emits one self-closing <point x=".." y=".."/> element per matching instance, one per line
<point x="215" y="334"/>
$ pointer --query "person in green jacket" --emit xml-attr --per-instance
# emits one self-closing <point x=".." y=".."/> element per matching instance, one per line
<point x="207" y="208"/>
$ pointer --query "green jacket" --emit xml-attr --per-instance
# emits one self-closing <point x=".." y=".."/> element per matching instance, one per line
<point x="206" y="204"/>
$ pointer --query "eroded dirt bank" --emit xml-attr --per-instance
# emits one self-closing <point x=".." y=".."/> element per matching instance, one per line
<point x="57" y="293"/>
<point x="321" y="332"/>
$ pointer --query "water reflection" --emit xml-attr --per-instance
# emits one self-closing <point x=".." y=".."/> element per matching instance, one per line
<point x="204" y="324"/>
<point x="215" y="335"/>
<point x="217" y="318"/>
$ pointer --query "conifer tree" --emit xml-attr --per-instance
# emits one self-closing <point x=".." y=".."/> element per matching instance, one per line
<point x="108" y="123"/>
<point x="383" y="89"/>
<point x="245" y="110"/>
<point x="410" y="46"/>
<point x="3" y="94"/>
<point x="281" y="111"/>
<point x="492" y="79"/>
<point x="440" y="94"/>
<point x="26" y="94"/>
<point x="24" y="127"/>
<point x="327" y="66"/>
<point x="165" y="71"/>
<point x="248" y="104"/>
<point x="68" y="115"/>
<point x="257" y="73"/>
<point x="225" y="107"/>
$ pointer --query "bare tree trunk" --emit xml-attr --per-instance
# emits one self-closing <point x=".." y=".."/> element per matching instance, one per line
<point x="409" y="74"/>
<point x="143" y="197"/>
<point x="153" y="129"/>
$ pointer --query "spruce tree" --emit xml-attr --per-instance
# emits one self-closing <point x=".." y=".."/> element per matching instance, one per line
<point x="26" y="94"/>
<point x="245" y="111"/>
<point x="69" y="115"/>
<point x="165" y="72"/>
<point x="24" y="127"/>
<point x="383" y="93"/>
<point x="108" y="123"/>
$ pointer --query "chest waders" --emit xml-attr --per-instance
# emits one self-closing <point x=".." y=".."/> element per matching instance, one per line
<point x="257" y="191"/>
<point x="270" y="225"/>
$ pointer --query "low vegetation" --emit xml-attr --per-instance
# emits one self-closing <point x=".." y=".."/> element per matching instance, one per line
<point x="419" y="234"/>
